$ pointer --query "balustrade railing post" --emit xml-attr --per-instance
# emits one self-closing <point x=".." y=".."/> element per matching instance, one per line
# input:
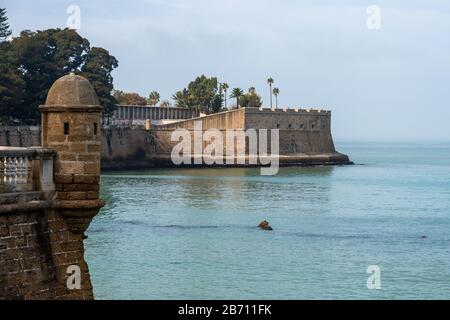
<point x="45" y="182"/>
<point x="2" y="175"/>
<point x="27" y="169"/>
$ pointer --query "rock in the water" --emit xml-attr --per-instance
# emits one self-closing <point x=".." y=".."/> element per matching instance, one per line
<point x="265" y="225"/>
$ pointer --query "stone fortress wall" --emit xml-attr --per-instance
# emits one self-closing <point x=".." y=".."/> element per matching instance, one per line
<point x="36" y="248"/>
<point x="305" y="132"/>
<point x="19" y="136"/>
<point x="305" y="137"/>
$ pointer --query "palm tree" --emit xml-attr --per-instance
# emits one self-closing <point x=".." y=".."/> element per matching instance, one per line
<point x="276" y="92"/>
<point x="153" y="98"/>
<point x="225" y="88"/>
<point x="237" y="93"/>
<point x="165" y="103"/>
<point x="270" y="82"/>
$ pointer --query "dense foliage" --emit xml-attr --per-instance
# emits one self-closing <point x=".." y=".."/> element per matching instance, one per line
<point x="250" y="100"/>
<point x="129" y="98"/>
<point x="32" y="62"/>
<point x="203" y="95"/>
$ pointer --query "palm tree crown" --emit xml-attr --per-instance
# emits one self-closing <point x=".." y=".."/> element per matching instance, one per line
<point x="276" y="92"/>
<point x="225" y="88"/>
<point x="153" y="98"/>
<point x="236" y="93"/>
<point x="270" y="81"/>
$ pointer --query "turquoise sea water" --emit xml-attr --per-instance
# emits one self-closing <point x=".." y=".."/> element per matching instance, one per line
<point x="191" y="233"/>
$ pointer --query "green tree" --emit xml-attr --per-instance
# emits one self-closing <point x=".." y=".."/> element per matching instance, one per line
<point x="251" y="99"/>
<point x="12" y="86"/>
<point x="181" y="98"/>
<point x="5" y="31"/>
<point x="153" y="98"/>
<point x="225" y="88"/>
<point x="276" y="92"/>
<point x="97" y="69"/>
<point x="42" y="57"/>
<point x="129" y="98"/>
<point x="236" y="93"/>
<point x="165" y="103"/>
<point x="270" y="81"/>
<point x="201" y="95"/>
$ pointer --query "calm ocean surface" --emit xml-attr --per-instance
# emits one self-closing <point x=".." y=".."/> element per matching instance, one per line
<point x="191" y="234"/>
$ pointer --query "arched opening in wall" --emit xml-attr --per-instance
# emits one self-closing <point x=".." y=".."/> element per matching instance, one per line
<point x="95" y="128"/>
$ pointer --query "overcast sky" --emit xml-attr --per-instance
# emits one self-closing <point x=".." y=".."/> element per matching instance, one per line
<point x="391" y="83"/>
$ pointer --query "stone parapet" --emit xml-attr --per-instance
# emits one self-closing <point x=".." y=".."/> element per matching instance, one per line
<point x="48" y="197"/>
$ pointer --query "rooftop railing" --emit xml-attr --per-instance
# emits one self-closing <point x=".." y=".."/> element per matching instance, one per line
<point x="26" y="169"/>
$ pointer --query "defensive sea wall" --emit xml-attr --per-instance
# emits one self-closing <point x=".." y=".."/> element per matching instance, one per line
<point x="49" y="194"/>
<point x="304" y="137"/>
<point x="19" y="136"/>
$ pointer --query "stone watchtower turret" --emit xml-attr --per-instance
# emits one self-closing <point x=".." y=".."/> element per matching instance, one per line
<point x="70" y="124"/>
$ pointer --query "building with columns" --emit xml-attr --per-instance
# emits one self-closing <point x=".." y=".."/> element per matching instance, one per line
<point x="137" y="115"/>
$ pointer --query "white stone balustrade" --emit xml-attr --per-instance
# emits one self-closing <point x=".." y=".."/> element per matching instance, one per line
<point x="26" y="169"/>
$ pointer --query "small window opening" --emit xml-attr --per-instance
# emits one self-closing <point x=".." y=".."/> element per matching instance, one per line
<point x="278" y="126"/>
<point x="66" y="128"/>
<point x="312" y="126"/>
<point x="290" y="126"/>
<point x="95" y="128"/>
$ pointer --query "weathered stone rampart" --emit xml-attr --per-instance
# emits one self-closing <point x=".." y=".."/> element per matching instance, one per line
<point x="19" y="136"/>
<point x="305" y="137"/>
<point x="36" y="249"/>
<point x="48" y="197"/>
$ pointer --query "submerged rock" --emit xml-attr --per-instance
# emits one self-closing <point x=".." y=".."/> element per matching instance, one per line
<point x="265" y="225"/>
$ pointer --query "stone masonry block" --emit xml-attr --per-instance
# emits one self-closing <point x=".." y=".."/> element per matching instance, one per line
<point x="85" y="178"/>
<point x="63" y="178"/>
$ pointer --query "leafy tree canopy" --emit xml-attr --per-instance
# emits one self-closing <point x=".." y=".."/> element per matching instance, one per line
<point x="129" y="98"/>
<point x="5" y="31"/>
<point x="97" y="68"/>
<point x="202" y="95"/>
<point x="39" y="58"/>
<point x="250" y="100"/>
<point x="153" y="98"/>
